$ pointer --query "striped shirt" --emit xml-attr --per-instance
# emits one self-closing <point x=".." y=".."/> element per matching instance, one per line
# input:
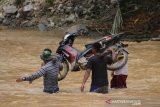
<point x="50" y="76"/>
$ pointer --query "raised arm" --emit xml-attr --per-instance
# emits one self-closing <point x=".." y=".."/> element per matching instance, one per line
<point x="109" y="51"/>
<point x="113" y="54"/>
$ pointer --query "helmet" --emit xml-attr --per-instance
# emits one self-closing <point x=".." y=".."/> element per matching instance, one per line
<point x="46" y="55"/>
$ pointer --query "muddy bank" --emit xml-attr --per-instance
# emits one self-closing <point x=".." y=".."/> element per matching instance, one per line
<point x="90" y="33"/>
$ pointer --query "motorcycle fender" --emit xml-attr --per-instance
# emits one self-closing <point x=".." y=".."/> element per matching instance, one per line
<point x="67" y="55"/>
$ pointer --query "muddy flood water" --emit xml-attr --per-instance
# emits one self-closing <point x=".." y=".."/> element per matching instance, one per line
<point x="19" y="55"/>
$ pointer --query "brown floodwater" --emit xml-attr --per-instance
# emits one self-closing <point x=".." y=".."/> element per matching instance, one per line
<point x="19" y="55"/>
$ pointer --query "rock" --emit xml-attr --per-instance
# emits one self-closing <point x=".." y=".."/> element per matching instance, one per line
<point x="1" y="15"/>
<point x="79" y="11"/>
<point x="90" y="1"/>
<point x="35" y="20"/>
<point x="85" y="11"/>
<point x="60" y="7"/>
<point x="114" y="1"/>
<point x="155" y="39"/>
<point x="18" y="22"/>
<point x="24" y="23"/>
<point x="42" y="27"/>
<point x="69" y="4"/>
<point x="61" y="11"/>
<point x="77" y="27"/>
<point x="6" y="22"/>
<point x="68" y="10"/>
<point x="50" y="8"/>
<point x="1" y="20"/>
<point x="71" y="18"/>
<point x="10" y="9"/>
<point x="91" y="7"/>
<point x="87" y="17"/>
<point x="59" y="24"/>
<point x="51" y="24"/>
<point x="44" y="20"/>
<point x="18" y="15"/>
<point x="37" y="7"/>
<point x="56" y="2"/>
<point x="30" y="23"/>
<point x="28" y="8"/>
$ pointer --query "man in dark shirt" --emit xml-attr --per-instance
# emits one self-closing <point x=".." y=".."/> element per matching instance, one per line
<point x="98" y="65"/>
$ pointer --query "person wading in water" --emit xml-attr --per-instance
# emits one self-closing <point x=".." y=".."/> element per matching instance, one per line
<point x="49" y="71"/>
<point x="98" y="65"/>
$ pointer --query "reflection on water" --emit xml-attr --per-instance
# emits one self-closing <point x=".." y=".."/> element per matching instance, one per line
<point x="19" y="55"/>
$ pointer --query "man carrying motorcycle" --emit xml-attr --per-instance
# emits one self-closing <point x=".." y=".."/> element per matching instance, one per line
<point x="97" y="64"/>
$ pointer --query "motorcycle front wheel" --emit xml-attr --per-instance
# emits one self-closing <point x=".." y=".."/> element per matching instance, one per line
<point x="64" y="70"/>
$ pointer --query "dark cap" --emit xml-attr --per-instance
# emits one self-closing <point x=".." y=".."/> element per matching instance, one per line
<point x="46" y="55"/>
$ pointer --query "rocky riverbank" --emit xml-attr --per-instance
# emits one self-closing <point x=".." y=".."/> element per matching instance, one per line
<point x="96" y="16"/>
<point x="52" y="13"/>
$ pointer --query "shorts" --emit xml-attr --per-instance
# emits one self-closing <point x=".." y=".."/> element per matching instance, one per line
<point x="102" y="89"/>
<point x="119" y="81"/>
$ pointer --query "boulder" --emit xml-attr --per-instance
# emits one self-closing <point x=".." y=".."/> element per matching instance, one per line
<point x="23" y="23"/>
<point x="61" y="11"/>
<point x="18" y="15"/>
<point x="79" y="11"/>
<point x="68" y="9"/>
<point x="37" y="7"/>
<point x="44" y="20"/>
<point x="69" y="4"/>
<point x="90" y="1"/>
<point x="28" y="8"/>
<point x="91" y="7"/>
<point x="70" y="18"/>
<point x="27" y="23"/>
<point x="77" y="27"/>
<point x="42" y="27"/>
<point x="1" y="15"/>
<point x="6" y="22"/>
<point x="114" y="1"/>
<point x="10" y="9"/>
<point x="51" y="24"/>
<point x="60" y="7"/>
<point x="1" y="20"/>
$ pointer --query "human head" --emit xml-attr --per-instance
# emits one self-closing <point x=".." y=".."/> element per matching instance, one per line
<point x="96" y="48"/>
<point x="46" y="55"/>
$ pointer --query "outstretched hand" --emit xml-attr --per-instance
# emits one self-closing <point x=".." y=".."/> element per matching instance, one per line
<point x="19" y="79"/>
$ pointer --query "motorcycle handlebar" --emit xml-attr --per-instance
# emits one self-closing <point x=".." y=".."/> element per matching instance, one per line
<point x="120" y="35"/>
<point x="114" y="38"/>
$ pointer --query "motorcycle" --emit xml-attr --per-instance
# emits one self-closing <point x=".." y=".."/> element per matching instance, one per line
<point x="68" y="55"/>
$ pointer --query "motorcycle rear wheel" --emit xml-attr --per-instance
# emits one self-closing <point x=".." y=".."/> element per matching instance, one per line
<point x="121" y="60"/>
<point x="64" y="71"/>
